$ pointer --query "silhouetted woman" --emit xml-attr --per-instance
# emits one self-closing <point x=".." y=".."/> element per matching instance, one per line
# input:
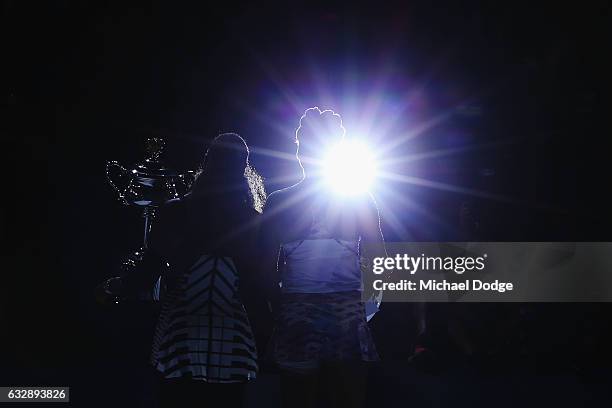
<point x="321" y="338"/>
<point x="204" y="347"/>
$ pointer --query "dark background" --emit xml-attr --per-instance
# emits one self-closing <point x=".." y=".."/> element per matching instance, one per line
<point x="86" y="82"/>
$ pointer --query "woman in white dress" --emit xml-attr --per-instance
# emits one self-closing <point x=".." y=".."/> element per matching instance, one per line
<point x="321" y="338"/>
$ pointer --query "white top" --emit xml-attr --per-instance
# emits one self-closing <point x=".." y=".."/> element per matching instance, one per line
<point x="321" y="265"/>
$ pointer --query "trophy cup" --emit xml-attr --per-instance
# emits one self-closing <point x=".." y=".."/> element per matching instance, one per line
<point x="148" y="185"/>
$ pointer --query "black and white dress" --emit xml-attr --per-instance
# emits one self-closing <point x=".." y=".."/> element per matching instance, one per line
<point x="203" y="332"/>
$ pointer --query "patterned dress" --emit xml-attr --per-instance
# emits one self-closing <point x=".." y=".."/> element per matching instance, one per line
<point x="203" y="330"/>
<point x="318" y="327"/>
<point x="322" y="316"/>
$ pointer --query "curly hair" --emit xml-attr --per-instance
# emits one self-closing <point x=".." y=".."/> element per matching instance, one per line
<point x="319" y="126"/>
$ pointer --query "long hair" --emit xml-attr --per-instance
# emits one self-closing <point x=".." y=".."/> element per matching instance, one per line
<point x="226" y="169"/>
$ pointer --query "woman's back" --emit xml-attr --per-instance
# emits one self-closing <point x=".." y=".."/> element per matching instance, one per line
<point x="319" y="239"/>
<point x="213" y="224"/>
<point x="308" y="213"/>
<point x="208" y="237"/>
<point x="202" y="316"/>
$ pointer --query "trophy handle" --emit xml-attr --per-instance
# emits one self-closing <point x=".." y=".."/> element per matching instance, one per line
<point x="110" y="165"/>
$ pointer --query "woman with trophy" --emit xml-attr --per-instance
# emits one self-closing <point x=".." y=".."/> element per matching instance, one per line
<point x="204" y="348"/>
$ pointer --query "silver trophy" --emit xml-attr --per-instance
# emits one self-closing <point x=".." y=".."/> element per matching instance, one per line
<point x="148" y="185"/>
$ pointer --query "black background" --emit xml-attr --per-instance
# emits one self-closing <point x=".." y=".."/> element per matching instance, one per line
<point x="86" y="82"/>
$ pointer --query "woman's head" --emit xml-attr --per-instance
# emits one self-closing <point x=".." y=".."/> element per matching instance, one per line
<point x="318" y="130"/>
<point x="226" y="169"/>
<point x="227" y="156"/>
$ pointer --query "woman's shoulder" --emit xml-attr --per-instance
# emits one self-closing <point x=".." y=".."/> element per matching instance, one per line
<point x="277" y="197"/>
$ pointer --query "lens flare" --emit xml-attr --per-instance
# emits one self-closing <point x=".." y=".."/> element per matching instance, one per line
<point x="349" y="168"/>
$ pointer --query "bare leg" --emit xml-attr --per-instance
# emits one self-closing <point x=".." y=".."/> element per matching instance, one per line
<point x="420" y="313"/>
<point x="299" y="390"/>
<point x="345" y="383"/>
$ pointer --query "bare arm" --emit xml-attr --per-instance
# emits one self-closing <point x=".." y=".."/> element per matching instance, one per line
<point x="372" y="245"/>
<point x="370" y="230"/>
<point x="167" y="227"/>
<point x="270" y="241"/>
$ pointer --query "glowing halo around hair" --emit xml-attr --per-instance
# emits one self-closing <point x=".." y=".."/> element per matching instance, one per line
<point x="349" y="168"/>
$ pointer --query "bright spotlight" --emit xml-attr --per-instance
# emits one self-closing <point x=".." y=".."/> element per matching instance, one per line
<point x="349" y="168"/>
